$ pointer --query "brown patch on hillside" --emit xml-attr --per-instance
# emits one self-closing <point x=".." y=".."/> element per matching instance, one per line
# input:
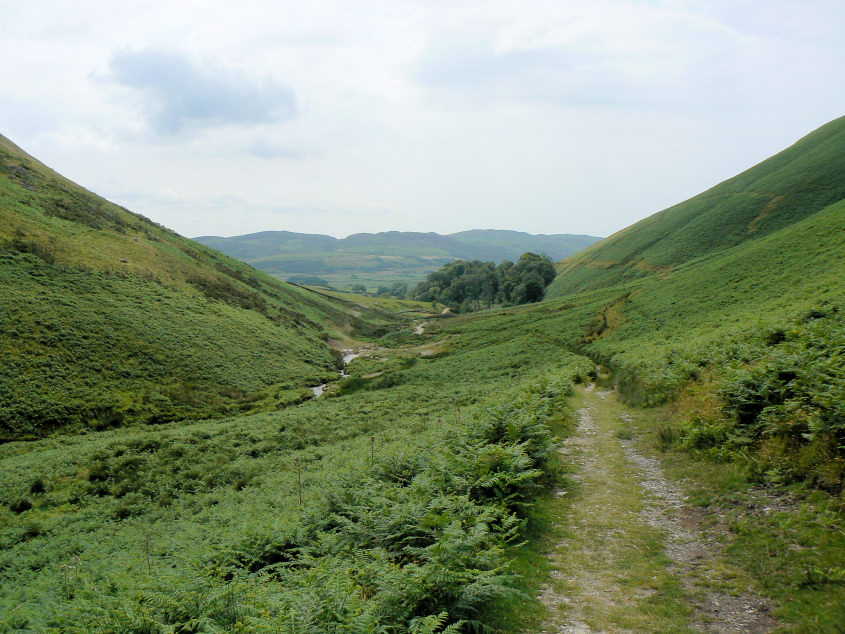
<point x="608" y="320"/>
<point x="660" y="269"/>
<point x="765" y="211"/>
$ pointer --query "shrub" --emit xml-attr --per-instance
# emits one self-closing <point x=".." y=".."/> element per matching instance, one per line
<point x="667" y="437"/>
<point x="21" y="505"/>
<point x="37" y="486"/>
<point x="416" y="535"/>
<point x="782" y="404"/>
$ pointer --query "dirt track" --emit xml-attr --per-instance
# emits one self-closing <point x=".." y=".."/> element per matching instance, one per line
<point x="630" y="556"/>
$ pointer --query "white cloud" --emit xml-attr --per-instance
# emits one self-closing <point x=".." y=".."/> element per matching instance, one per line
<point x="180" y="95"/>
<point x="546" y="116"/>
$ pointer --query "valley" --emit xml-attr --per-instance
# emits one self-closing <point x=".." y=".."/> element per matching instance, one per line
<point x="656" y="446"/>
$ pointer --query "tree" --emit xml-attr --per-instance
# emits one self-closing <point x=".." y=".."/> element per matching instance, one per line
<point x="399" y="289"/>
<point x="465" y="286"/>
<point x="530" y="290"/>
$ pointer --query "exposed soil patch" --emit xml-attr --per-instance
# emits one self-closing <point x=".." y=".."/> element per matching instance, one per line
<point x="608" y="319"/>
<point x="765" y="211"/>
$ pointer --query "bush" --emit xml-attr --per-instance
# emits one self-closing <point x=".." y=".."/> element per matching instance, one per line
<point x="783" y="404"/>
<point x="416" y="535"/>
<point x="20" y="506"/>
<point x="667" y="437"/>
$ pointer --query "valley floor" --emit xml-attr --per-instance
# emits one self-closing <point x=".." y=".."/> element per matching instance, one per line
<point x="626" y="551"/>
<point x="637" y="536"/>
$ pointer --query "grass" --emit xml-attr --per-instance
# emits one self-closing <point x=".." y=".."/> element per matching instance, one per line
<point x="184" y="375"/>
<point x="186" y="492"/>
<point x="781" y="191"/>
<point x="784" y="542"/>
<point x="110" y="319"/>
<point x="610" y="566"/>
<point x="714" y="317"/>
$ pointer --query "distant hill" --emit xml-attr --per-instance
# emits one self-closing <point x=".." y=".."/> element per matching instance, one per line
<point x="376" y="258"/>
<point x="108" y="318"/>
<point x="782" y="190"/>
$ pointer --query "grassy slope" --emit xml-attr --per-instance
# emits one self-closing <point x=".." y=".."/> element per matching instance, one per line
<point x="734" y="295"/>
<point x="133" y="517"/>
<point x="109" y="318"/>
<point x="700" y="277"/>
<point x="757" y="322"/>
<point x="373" y="259"/>
<point x="732" y="303"/>
<point x="193" y="494"/>
<point x="790" y="186"/>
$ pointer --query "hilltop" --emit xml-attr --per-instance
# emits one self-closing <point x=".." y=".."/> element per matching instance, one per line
<point x="372" y="259"/>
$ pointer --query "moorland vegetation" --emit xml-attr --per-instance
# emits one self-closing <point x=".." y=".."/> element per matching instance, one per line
<point x="109" y="319"/>
<point x="410" y="496"/>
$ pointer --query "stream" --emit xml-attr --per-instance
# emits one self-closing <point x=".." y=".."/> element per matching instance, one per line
<point x="348" y="355"/>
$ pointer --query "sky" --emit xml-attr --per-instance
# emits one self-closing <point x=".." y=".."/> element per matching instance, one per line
<point x="338" y="117"/>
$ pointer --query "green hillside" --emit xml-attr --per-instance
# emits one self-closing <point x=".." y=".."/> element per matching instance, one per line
<point x="782" y="190"/>
<point x="109" y="318"/>
<point x="374" y="259"/>
<point x="489" y="471"/>
<point x="657" y="331"/>
<point x="735" y="296"/>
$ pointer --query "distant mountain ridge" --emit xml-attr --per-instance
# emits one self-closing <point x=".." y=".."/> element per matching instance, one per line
<point x="386" y="256"/>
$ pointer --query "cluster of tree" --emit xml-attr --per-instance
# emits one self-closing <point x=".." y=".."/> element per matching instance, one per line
<point x="398" y="290"/>
<point x="466" y="286"/>
<point x="309" y="280"/>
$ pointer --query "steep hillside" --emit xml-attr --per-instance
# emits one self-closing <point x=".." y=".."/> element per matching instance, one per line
<point x="792" y="185"/>
<point x="372" y="259"/>
<point x="108" y="318"/>
<point x="660" y="332"/>
<point x="734" y="304"/>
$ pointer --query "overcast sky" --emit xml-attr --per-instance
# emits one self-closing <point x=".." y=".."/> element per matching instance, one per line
<point x="222" y="118"/>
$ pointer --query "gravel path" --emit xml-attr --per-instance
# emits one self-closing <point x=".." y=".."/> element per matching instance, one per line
<point x="621" y="499"/>
<point x="688" y="550"/>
